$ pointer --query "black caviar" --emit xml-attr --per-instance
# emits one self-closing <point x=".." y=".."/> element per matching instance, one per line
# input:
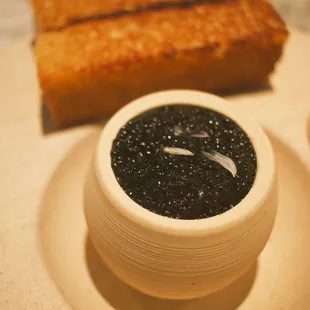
<point x="184" y="161"/>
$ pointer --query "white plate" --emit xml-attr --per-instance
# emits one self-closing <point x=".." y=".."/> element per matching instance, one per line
<point x="44" y="250"/>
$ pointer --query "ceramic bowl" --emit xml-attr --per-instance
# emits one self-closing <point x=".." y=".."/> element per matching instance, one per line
<point x="172" y="258"/>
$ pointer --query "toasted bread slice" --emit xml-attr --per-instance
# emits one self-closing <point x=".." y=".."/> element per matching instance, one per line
<point x="90" y="70"/>
<point x="55" y="14"/>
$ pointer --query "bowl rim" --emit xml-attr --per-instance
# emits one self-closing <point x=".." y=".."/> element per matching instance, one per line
<point x="240" y="213"/>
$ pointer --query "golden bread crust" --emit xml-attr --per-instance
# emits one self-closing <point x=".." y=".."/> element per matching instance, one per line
<point x="89" y="70"/>
<point x="54" y="14"/>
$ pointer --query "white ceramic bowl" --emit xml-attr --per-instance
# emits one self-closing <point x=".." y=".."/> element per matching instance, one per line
<point x="171" y="258"/>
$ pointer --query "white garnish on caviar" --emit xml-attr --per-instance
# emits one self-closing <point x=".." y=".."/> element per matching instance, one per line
<point x="177" y="151"/>
<point x="202" y="134"/>
<point x="223" y="160"/>
<point x="177" y="131"/>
